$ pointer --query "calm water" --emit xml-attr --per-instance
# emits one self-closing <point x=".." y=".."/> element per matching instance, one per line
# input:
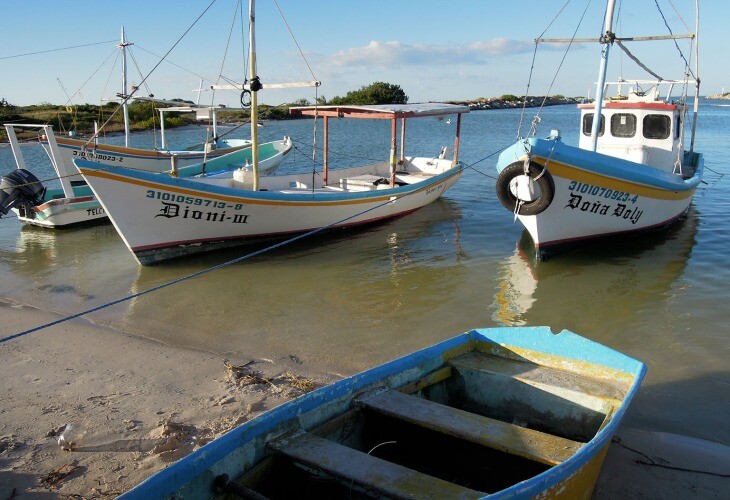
<point x="346" y="302"/>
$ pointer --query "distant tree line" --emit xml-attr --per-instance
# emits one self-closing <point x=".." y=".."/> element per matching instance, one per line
<point x="145" y="115"/>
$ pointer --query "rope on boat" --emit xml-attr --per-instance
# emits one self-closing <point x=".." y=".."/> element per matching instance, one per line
<point x="471" y="165"/>
<point x="301" y="52"/>
<point x="536" y="120"/>
<point x="636" y="60"/>
<point x="681" y="54"/>
<point x="651" y="462"/>
<point x="199" y="273"/>
<point x="319" y="148"/>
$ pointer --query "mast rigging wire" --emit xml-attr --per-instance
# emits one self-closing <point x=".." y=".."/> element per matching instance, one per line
<point x="536" y="120"/>
<point x="196" y="274"/>
<point x="681" y="54"/>
<point x="295" y="41"/>
<point x="56" y="50"/>
<point x="126" y="98"/>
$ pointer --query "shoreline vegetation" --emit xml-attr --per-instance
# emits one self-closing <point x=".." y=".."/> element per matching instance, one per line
<point x="143" y="116"/>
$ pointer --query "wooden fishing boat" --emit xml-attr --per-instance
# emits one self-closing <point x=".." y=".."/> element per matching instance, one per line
<point x="154" y="160"/>
<point x="630" y="172"/>
<point x="493" y="413"/>
<point x="161" y="217"/>
<point x="73" y="203"/>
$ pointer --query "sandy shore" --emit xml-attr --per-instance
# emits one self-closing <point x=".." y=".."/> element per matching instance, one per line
<point x="135" y="406"/>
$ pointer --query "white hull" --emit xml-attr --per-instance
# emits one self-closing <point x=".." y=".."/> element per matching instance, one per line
<point x="573" y="217"/>
<point x="596" y="195"/>
<point x="64" y="212"/>
<point x="159" y="220"/>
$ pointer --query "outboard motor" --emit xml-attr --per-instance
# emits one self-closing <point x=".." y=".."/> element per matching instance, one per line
<point x="20" y="188"/>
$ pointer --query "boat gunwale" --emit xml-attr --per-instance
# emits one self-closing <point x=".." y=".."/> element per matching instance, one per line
<point x="595" y="163"/>
<point x="192" y="187"/>
<point x="142" y="153"/>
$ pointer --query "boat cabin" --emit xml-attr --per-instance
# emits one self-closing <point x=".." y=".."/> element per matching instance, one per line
<point x="640" y="127"/>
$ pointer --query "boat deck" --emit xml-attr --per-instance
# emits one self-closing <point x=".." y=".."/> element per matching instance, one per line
<point x="356" y="179"/>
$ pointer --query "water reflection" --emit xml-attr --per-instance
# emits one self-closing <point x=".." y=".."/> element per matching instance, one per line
<point x="45" y="248"/>
<point x="603" y="285"/>
<point x="307" y="296"/>
<point x="60" y="269"/>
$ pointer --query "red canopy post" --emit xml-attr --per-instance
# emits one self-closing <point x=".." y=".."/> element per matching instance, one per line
<point x="393" y="147"/>
<point x="325" y="139"/>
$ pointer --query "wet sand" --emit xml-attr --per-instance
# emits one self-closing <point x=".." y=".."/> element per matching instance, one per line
<point x="136" y="405"/>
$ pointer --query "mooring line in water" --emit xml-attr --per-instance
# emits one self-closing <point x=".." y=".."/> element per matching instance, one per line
<point x="199" y="273"/>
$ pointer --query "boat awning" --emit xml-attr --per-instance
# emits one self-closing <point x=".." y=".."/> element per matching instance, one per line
<point x="383" y="111"/>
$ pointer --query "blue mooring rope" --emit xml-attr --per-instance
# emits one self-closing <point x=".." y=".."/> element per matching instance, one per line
<point x="196" y="274"/>
<point x="219" y="266"/>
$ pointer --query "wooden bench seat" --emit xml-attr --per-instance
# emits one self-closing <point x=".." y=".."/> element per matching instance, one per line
<point x="514" y="439"/>
<point x="542" y="376"/>
<point x="365" y="471"/>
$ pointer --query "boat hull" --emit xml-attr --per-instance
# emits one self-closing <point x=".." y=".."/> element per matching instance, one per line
<point x="160" y="217"/>
<point x="61" y="212"/>
<point x="240" y="450"/>
<point x="598" y="196"/>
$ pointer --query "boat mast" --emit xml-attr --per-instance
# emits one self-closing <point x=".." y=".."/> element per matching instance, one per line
<point x="125" y="99"/>
<point x="697" y="76"/>
<point x="254" y="87"/>
<point x="606" y="40"/>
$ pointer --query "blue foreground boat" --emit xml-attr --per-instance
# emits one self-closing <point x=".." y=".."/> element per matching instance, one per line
<point x="493" y="413"/>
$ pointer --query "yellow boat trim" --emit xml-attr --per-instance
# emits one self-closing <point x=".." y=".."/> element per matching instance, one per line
<point x="109" y="148"/>
<point x="573" y="173"/>
<point x="251" y="201"/>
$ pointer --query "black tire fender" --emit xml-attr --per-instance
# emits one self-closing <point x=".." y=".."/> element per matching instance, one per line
<point x="539" y="175"/>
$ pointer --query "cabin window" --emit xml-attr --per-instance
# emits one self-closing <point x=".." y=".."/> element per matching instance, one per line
<point x="623" y="125"/>
<point x="657" y="126"/>
<point x="588" y="124"/>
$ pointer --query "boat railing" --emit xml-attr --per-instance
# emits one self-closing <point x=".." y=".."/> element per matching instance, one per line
<point x="651" y="89"/>
<point x="64" y="172"/>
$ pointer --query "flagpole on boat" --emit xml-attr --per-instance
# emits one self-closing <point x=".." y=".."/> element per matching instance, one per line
<point x="254" y="87"/>
<point x="606" y="40"/>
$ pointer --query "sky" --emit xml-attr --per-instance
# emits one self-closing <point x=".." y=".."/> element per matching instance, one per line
<point x="434" y="50"/>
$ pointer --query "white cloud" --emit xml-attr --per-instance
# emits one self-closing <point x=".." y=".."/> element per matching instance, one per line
<point x="387" y="54"/>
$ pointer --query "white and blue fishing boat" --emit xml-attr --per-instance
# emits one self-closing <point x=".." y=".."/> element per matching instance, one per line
<point x="161" y="217"/>
<point x="634" y="169"/>
<point x="514" y="412"/>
